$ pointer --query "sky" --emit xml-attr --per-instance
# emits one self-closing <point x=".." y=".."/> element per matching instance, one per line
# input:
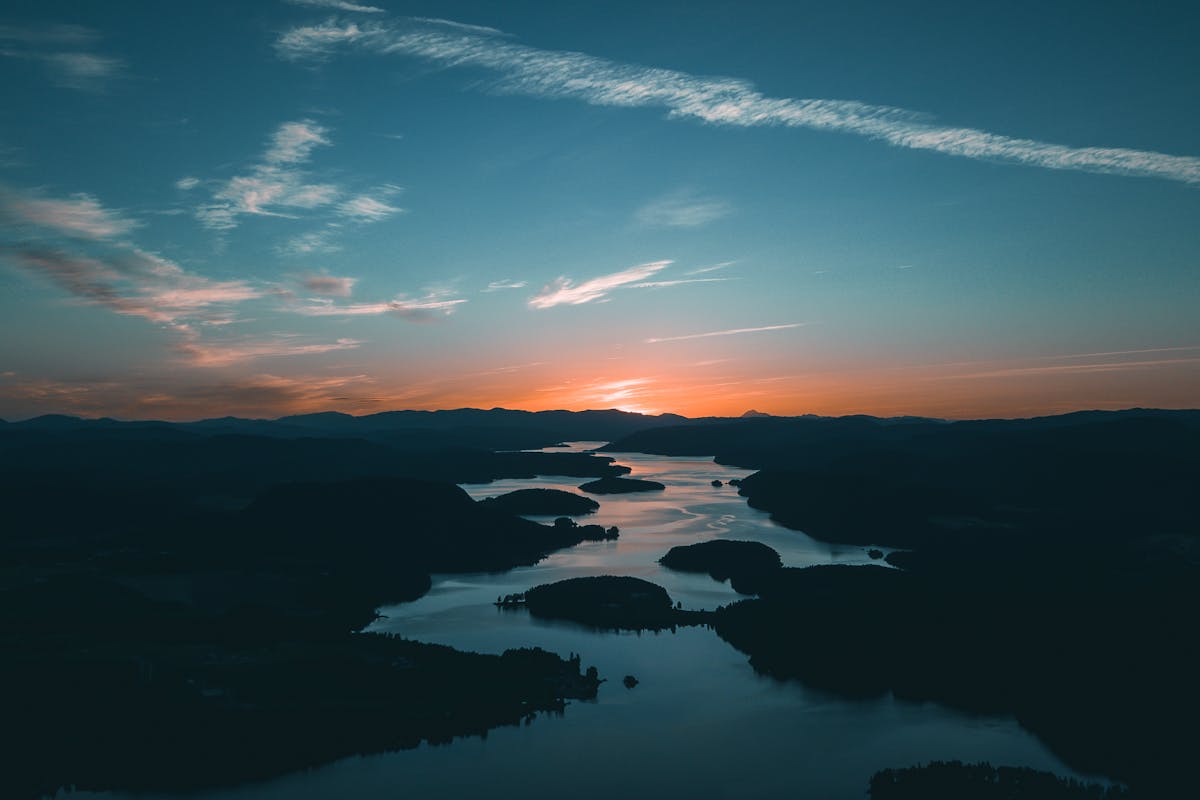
<point x="266" y="208"/>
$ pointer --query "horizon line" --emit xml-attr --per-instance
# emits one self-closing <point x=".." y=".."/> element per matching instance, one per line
<point x="760" y="415"/>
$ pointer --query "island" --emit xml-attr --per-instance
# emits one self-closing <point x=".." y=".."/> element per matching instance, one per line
<point x="608" y="602"/>
<point x="572" y="530"/>
<point x="613" y="485"/>
<point x="542" y="502"/>
<point x="724" y="559"/>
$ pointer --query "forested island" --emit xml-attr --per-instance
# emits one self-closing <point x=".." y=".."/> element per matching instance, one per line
<point x="613" y="485"/>
<point x="543" y="502"/>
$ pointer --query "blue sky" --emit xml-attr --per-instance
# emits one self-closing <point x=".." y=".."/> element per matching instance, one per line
<point x="261" y="208"/>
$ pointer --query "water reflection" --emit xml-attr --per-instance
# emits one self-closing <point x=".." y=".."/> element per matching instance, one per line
<point x="691" y="509"/>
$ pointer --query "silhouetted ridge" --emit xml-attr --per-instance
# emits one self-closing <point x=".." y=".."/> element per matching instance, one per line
<point x="229" y="469"/>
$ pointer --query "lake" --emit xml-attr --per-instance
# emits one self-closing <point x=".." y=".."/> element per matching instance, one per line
<point x="700" y="723"/>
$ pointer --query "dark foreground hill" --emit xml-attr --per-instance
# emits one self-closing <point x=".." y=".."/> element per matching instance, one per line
<point x="1052" y="572"/>
<point x="149" y="644"/>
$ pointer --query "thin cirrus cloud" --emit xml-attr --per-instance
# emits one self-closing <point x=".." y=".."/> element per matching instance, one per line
<point x="499" y="286"/>
<point x="130" y="281"/>
<point x="370" y="206"/>
<point x="77" y="216"/>
<point x="726" y="101"/>
<point x="362" y="209"/>
<point x="48" y="34"/>
<point x="311" y="243"/>
<point x="604" y="393"/>
<point x="277" y="182"/>
<point x="1079" y="363"/>
<point x="562" y="291"/>
<point x="117" y="275"/>
<point x="728" y="332"/>
<point x="711" y="268"/>
<point x="676" y="282"/>
<point x="137" y="283"/>
<point x="681" y="210"/>
<point x="261" y="395"/>
<point x="432" y="305"/>
<point x="336" y="5"/>
<point x="57" y="47"/>
<point x="224" y="354"/>
<point x="327" y="285"/>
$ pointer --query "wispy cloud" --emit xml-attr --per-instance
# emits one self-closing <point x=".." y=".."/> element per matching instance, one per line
<point x="69" y="68"/>
<point x="462" y="26"/>
<point x="78" y="245"/>
<point x="337" y="5"/>
<point x="311" y="243"/>
<point x="678" y="282"/>
<point x="79" y="215"/>
<point x="295" y="141"/>
<point x="362" y="209"/>
<point x="729" y="332"/>
<point x="86" y="71"/>
<point x="1066" y="369"/>
<point x="370" y="206"/>
<point x="187" y="183"/>
<point x="261" y="395"/>
<point x="137" y="283"/>
<point x="711" y="268"/>
<point x="1077" y="363"/>
<point x="681" y="210"/>
<point x="725" y="101"/>
<point x="1139" y="351"/>
<point x="498" y="286"/>
<point x="48" y="34"/>
<point x="275" y="183"/>
<point x="223" y="354"/>
<point x="562" y="291"/>
<point x="328" y="285"/>
<point x="627" y="394"/>
<point x="506" y="370"/>
<point x="432" y="305"/>
<point x="11" y="156"/>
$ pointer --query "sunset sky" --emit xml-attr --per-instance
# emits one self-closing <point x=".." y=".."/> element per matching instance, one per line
<point x="275" y="207"/>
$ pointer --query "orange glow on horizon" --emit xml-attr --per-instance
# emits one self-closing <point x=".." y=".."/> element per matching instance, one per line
<point x="718" y="387"/>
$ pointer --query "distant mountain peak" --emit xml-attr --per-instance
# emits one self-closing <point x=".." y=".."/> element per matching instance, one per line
<point x="753" y="413"/>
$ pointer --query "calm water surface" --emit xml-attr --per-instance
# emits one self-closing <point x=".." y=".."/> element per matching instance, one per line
<point x="701" y="723"/>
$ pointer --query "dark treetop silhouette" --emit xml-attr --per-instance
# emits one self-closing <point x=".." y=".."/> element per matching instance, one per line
<point x="543" y="502"/>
